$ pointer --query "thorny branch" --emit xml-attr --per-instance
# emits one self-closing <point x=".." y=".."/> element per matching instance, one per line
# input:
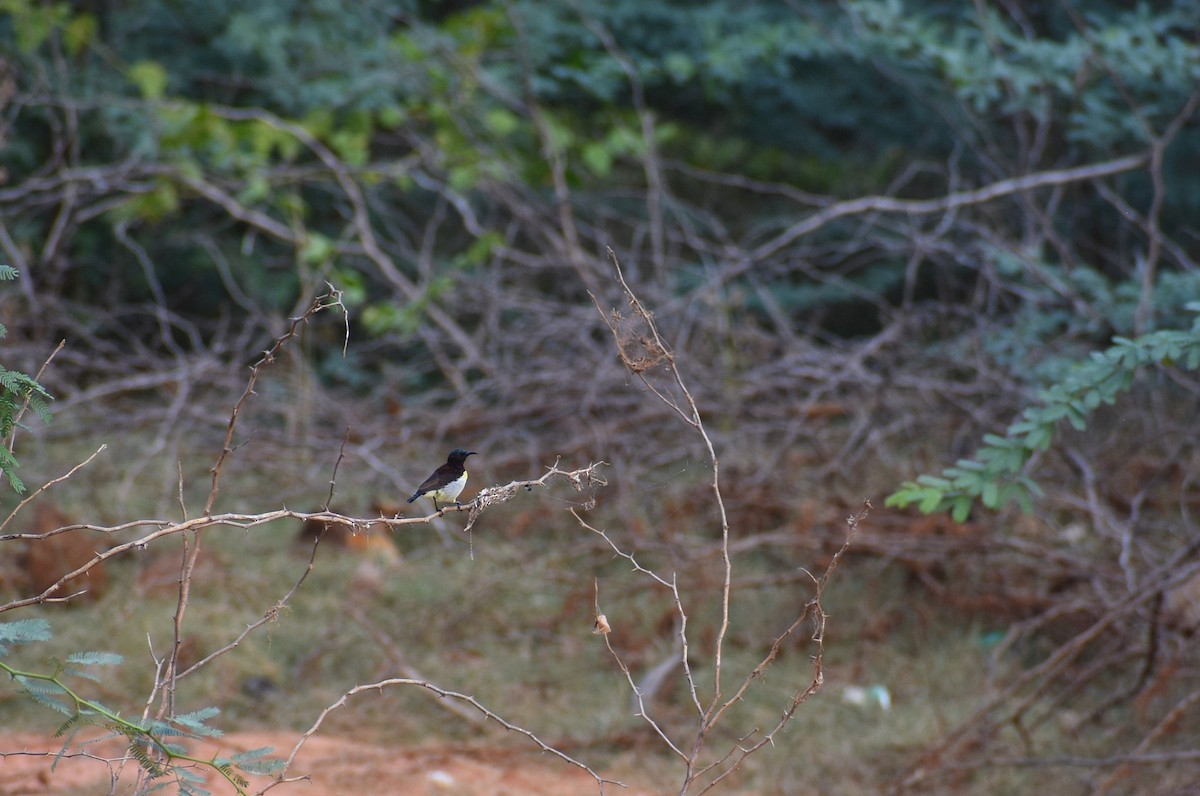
<point x="320" y="303"/>
<point x="191" y="542"/>
<point x="37" y="492"/>
<point x="445" y="694"/>
<point x="164" y="528"/>
<point x="659" y="353"/>
<point x="642" y="350"/>
<point x="167" y="673"/>
<point x="579" y="479"/>
<point x="813" y="609"/>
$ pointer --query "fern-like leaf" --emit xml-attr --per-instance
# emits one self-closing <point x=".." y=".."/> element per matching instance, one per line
<point x="69" y="725"/>
<point x="67" y="741"/>
<point x="81" y="659"/>
<point x="252" y="754"/>
<point x="194" y="722"/>
<point x="152" y="767"/>
<point x="48" y="699"/>
<point x="92" y="658"/>
<point x="191" y="783"/>
<point x="994" y="476"/>
<point x="17" y="390"/>
<point x="25" y="630"/>
<point x="266" y="767"/>
<point x="228" y="771"/>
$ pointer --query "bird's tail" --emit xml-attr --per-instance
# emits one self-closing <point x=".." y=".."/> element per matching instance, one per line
<point x="414" y="497"/>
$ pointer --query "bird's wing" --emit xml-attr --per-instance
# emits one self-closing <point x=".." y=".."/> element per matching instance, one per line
<point x="430" y="483"/>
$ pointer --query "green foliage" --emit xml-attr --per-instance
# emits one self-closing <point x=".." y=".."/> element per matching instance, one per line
<point x="995" y="476"/>
<point x="23" y="631"/>
<point x="95" y="658"/>
<point x="17" y="392"/>
<point x="1047" y="331"/>
<point x="34" y="22"/>
<point x="793" y="81"/>
<point x="443" y="115"/>
<point x="150" y="78"/>
<point x="158" y="757"/>
<point x="994" y="66"/>
<point x="256" y="761"/>
<point x="76" y="664"/>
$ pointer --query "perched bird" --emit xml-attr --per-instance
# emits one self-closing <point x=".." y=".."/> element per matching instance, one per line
<point x="447" y="481"/>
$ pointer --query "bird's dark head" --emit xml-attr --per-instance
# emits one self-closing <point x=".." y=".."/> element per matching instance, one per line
<point x="458" y="456"/>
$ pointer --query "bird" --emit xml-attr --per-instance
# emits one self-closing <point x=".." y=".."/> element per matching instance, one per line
<point x="447" y="481"/>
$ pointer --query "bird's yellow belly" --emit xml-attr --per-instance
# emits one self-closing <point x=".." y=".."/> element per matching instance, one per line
<point x="450" y="491"/>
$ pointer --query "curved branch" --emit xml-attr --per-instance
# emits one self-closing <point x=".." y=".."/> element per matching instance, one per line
<point x="281" y="778"/>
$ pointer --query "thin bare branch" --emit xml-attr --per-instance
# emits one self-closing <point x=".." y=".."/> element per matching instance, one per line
<point x="282" y="777"/>
<point x="35" y="493"/>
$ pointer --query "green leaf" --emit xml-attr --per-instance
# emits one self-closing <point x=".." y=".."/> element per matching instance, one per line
<point x="463" y="178"/>
<point x="78" y="33"/>
<point x="194" y="722"/>
<point x="931" y="501"/>
<point x="319" y="121"/>
<point x="252" y="754"/>
<point x="1029" y="486"/>
<point x="68" y="726"/>
<point x="25" y="630"/>
<point x="8" y="465"/>
<point x="150" y="77"/>
<point x="95" y="658"/>
<point x="501" y="121"/>
<point x="351" y="146"/>
<point x="1094" y="380"/>
<point x="34" y="22"/>
<point x="680" y="66"/>
<point x="1023" y="500"/>
<point x="391" y="116"/>
<point x="1040" y="438"/>
<point x="317" y="249"/>
<point x="262" y="767"/>
<point x="902" y="496"/>
<point x="598" y="158"/>
<point x="990" y="494"/>
<point x="934" y="482"/>
<point x="197" y="717"/>
<point x="47" y="694"/>
<point x="352" y="285"/>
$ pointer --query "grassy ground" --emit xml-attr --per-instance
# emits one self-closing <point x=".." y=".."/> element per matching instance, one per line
<point x="507" y="619"/>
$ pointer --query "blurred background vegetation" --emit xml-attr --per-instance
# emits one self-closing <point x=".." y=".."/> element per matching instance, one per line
<point x="872" y="230"/>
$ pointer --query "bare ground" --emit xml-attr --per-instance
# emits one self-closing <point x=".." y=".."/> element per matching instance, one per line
<point x="332" y="766"/>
